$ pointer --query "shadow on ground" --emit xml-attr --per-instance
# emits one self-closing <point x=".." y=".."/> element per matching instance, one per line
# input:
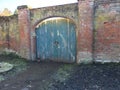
<point x="59" y="76"/>
<point x="92" y="77"/>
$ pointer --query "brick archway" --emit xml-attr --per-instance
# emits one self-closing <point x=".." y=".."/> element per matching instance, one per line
<point x="28" y="18"/>
<point x="33" y="38"/>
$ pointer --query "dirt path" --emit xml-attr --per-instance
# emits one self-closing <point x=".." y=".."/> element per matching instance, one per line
<point x="59" y="76"/>
<point x="35" y="77"/>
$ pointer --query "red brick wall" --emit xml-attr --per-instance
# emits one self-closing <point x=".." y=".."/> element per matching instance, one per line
<point x="85" y="36"/>
<point x="107" y="33"/>
<point x="98" y="33"/>
<point x="9" y="33"/>
<point x="24" y="29"/>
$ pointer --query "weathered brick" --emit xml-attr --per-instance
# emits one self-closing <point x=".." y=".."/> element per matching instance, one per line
<point x="85" y="36"/>
<point x="107" y="29"/>
<point x="24" y="29"/>
<point x="97" y="29"/>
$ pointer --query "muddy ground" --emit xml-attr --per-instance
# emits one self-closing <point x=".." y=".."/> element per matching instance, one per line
<point x="48" y="75"/>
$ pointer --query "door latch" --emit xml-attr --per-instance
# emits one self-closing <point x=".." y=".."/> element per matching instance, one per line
<point x="56" y="43"/>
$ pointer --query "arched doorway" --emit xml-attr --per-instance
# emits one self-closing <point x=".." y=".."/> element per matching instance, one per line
<point x="56" y="40"/>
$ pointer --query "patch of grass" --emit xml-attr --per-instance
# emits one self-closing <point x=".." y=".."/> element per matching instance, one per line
<point x="2" y="78"/>
<point x="9" y="54"/>
<point x="64" y="72"/>
<point x="19" y="65"/>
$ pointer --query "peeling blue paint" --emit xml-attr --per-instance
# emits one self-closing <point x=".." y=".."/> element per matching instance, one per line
<point x="56" y="40"/>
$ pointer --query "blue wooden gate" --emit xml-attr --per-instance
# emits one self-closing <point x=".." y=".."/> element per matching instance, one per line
<point x="56" y="40"/>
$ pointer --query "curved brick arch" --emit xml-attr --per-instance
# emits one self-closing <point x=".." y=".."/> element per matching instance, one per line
<point x="40" y="20"/>
<point x="69" y="11"/>
<point x="81" y="13"/>
<point x="58" y="25"/>
<point x="33" y="38"/>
